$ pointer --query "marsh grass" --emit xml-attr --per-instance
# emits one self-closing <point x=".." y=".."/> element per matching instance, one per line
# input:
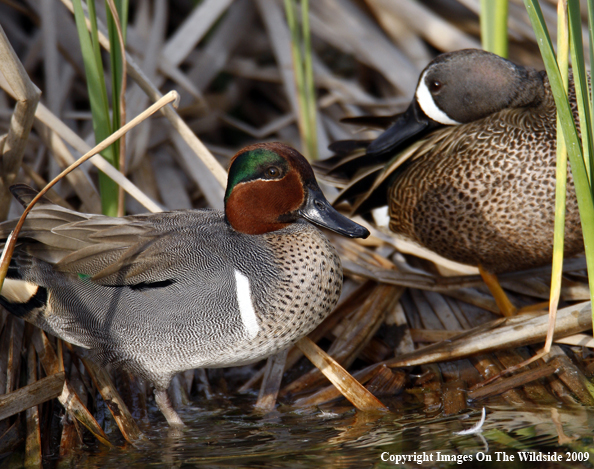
<point x="579" y="150"/>
<point x="105" y="120"/>
<point x="494" y="26"/>
<point x="303" y="73"/>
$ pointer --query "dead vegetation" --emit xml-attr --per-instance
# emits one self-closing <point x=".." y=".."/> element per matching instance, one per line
<point x="230" y="61"/>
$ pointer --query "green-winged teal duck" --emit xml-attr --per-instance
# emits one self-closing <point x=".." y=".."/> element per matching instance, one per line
<point x="161" y="293"/>
<point x="477" y="186"/>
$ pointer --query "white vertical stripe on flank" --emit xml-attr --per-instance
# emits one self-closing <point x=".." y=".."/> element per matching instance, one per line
<point x="246" y="307"/>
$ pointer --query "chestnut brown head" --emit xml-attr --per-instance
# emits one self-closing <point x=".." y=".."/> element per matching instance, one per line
<point x="271" y="185"/>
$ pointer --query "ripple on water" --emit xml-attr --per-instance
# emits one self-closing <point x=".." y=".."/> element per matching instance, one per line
<point x="232" y="435"/>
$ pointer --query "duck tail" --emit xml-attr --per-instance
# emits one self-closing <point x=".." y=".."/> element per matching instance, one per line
<point x="23" y="298"/>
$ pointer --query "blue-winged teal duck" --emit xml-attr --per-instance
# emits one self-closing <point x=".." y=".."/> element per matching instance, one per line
<point x="478" y="184"/>
<point x="162" y="293"/>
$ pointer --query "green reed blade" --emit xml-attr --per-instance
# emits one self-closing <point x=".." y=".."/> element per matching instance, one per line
<point x="98" y="99"/>
<point x="561" y="170"/>
<point x="494" y="26"/>
<point x="118" y="82"/>
<point x="117" y="71"/>
<point x="93" y="65"/>
<point x="591" y="100"/>
<point x="310" y="90"/>
<point x="297" y="69"/>
<point x="580" y="80"/>
<point x="578" y="168"/>
<point x="303" y="72"/>
<point x="98" y="77"/>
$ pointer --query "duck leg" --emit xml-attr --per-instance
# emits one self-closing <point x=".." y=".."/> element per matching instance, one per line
<point x="162" y="400"/>
<point x="503" y="302"/>
<point x="505" y="305"/>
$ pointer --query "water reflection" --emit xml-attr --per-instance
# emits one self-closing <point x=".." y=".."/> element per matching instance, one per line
<point x="234" y="436"/>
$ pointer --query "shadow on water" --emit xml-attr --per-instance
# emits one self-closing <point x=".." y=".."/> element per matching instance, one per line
<point x="232" y="435"/>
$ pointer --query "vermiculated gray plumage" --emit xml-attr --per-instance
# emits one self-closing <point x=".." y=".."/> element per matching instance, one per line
<point x="157" y="294"/>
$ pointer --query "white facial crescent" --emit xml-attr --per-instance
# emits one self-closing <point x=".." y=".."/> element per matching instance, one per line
<point x="428" y="105"/>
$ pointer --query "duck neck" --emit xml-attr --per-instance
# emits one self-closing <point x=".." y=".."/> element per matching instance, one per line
<point x="532" y="92"/>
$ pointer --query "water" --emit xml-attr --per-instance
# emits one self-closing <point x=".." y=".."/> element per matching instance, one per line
<point x="229" y="434"/>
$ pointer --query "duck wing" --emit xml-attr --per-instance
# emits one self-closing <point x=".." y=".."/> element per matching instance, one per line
<point x="371" y="176"/>
<point x="113" y="251"/>
<point x="376" y="193"/>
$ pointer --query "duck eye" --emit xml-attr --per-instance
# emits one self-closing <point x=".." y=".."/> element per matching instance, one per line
<point x="435" y="86"/>
<point x="272" y="172"/>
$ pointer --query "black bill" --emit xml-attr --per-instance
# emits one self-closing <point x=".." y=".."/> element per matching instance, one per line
<point x="412" y="123"/>
<point x="317" y="210"/>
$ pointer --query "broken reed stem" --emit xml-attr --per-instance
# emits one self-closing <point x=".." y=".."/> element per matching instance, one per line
<point x="273" y="375"/>
<point x="12" y="146"/>
<point x="32" y="394"/>
<point x="33" y="456"/>
<point x="27" y="96"/>
<point x="114" y="403"/>
<point x="511" y="383"/>
<point x="350" y="388"/>
<point x="511" y="332"/>
<point x="171" y="97"/>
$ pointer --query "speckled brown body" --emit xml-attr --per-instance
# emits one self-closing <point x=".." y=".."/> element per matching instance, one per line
<point x="484" y="192"/>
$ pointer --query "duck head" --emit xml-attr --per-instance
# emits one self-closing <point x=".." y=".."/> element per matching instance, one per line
<point x="271" y="185"/>
<point x="461" y="87"/>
